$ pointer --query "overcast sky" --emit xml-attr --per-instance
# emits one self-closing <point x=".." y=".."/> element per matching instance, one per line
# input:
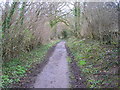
<point x="63" y="0"/>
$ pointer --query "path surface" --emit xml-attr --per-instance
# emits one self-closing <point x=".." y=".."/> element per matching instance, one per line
<point x="55" y="74"/>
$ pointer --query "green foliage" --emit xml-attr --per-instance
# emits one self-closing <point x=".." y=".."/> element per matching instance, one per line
<point x="69" y="59"/>
<point x="64" y="34"/>
<point x="90" y="57"/>
<point x="17" y="41"/>
<point x="17" y="67"/>
<point x="56" y="20"/>
<point x="20" y="70"/>
<point x="94" y="83"/>
<point x="76" y="11"/>
<point x="53" y="23"/>
<point x="6" y="22"/>
<point x="82" y="62"/>
<point x="16" y="38"/>
<point x="6" y="80"/>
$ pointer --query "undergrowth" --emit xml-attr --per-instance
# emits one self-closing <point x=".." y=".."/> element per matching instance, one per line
<point x="97" y="62"/>
<point x="17" y="67"/>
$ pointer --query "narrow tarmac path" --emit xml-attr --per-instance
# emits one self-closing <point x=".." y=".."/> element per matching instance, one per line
<point x="56" y="73"/>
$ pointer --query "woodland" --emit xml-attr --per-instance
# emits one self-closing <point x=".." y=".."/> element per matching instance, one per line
<point x="90" y="29"/>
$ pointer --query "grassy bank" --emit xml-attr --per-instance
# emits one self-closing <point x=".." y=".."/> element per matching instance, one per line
<point x="17" y="67"/>
<point x="97" y="62"/>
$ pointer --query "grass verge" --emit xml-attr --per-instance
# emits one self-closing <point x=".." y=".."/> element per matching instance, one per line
<point x="17" y="67"/>
<point x="97" y="62"/>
